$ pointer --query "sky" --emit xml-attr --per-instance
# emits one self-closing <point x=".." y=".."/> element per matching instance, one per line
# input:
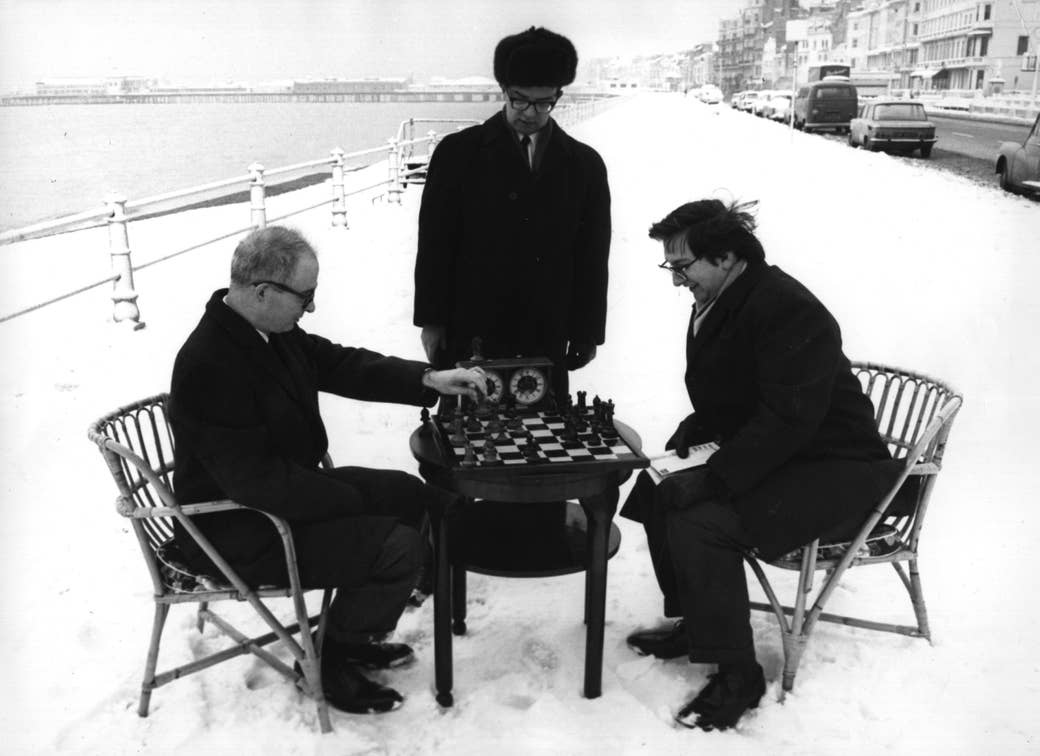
<point x="260" y="40"/>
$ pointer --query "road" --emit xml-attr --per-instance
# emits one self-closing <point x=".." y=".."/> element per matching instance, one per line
<point x="977" y="139"/>
<point x="967" y="147"/>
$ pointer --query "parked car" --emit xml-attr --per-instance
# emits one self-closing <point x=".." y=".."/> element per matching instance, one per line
<point x="825" y="105"/>
<point x="748" y="100"/>
<point x="778" y="108"/>
<point x="1019" y="164"/>
<point x="735" y="98"/>
<point x="896" y="125"/>
<point x="759" y="105"/>
<point x="710" y="94"/>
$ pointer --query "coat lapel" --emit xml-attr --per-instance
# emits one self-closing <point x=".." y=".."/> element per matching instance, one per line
<point x="252" y="344"/>
<point x="728" y="302"/>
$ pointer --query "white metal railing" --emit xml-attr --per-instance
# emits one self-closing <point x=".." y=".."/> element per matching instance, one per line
<point x="406" y="164"/>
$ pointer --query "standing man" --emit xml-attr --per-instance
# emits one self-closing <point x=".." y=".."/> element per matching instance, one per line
<point x="244" y="412"/>
<point x="514" y="228"/>
<point x="799" y="452"/>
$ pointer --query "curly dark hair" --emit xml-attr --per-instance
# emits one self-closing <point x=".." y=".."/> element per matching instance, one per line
<point x="711" y="228"/>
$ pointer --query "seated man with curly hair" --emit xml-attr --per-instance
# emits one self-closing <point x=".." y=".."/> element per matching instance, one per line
<point x="799" y="453"/>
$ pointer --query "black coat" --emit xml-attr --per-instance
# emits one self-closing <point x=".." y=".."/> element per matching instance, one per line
<point x="799" y="449"/>
<point x="246" y="424"/>
<point x="515" y="257"/>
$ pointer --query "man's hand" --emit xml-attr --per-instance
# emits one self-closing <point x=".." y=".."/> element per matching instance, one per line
<point x="434" y="339"/>
<point x="689" y="433"/>
<point x="468" y="381"/>
<point x="579" y="355"/>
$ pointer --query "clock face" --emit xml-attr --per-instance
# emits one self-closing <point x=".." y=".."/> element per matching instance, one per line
<point x="528" y="384"/>
<point x="495" y="386"/>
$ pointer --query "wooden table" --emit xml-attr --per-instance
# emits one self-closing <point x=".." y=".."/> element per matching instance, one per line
<point x="584" y="539"/>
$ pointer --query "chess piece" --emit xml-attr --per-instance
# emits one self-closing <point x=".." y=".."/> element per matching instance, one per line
<point x="424" y="416"/>
<point x="490" y="452"/>
<point x="477" y="345"/>
<point x="469" y="458"/>
<point x="473" y="425"/>
<point x="581" y="401"/>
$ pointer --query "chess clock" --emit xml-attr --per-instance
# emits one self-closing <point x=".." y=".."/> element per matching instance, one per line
<point x="525" y="379"/>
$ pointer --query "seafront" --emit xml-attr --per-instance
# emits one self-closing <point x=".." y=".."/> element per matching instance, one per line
<point x="946" y="290"/>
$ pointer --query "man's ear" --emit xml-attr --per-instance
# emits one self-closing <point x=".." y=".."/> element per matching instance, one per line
<point x="727" y="262"/>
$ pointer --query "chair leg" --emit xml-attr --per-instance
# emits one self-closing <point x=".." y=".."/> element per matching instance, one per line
<point x="200" y="621"/>
<point x="917" y="599"/>
<point x="148" y="684"/>
<point x="794" y="645"/>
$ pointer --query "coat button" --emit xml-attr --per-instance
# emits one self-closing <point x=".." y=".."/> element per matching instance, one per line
<point x="513" y="195"/>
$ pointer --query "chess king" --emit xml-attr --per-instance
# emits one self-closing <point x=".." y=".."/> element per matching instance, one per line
<point x="514" y="226"/>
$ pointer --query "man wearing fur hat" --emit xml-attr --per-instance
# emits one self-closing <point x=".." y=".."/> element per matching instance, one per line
<point x="514" y="228"/>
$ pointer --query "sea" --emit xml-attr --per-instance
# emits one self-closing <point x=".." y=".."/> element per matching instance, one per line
<point x="58" y="160"/>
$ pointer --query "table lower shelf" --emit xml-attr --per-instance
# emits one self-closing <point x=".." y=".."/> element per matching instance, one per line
<point x="508" y="539"/>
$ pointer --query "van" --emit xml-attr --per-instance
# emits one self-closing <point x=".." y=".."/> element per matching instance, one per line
<point x="825" y="105"/>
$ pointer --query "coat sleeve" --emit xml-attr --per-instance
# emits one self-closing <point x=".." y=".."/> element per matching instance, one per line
<point x="358" y="373"/>
<point x="440" y="227"/>
<point x="219" y="419"/>
<point x="588" y="316"/>
<point x="797" y="351"/>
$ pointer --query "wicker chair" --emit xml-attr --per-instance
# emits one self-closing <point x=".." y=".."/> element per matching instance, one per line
<point x="914" y="414"/>
<point x="137" y="445"/>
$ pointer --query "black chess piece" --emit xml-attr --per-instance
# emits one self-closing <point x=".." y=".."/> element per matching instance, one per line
<point x="473" y="424"/>
<point x="581" y="401"/>
<point x="424" y="416"/>
<point x="477" y="345"/>
<point x="469" y="458"/>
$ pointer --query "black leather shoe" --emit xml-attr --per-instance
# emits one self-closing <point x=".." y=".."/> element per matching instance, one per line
<point x="722" y="702"/>
<point x="348" y="690"/>
<point x="668" y="642"/>
<point x="375" y="655"/>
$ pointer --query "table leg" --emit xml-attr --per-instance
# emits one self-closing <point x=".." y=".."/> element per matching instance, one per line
<point x="599" y="511"/>
<point x="442" y="651"/>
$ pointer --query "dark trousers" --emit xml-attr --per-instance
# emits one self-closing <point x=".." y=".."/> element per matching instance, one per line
<point x="371" y="559"/>
<point x="697" y="552"/>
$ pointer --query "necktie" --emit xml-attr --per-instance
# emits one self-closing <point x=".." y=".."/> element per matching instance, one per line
<point x="525" y="145"/>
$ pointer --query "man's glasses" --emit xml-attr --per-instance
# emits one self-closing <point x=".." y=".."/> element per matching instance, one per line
<point x="305" y="297"/>
<point x="521" y="104"/>
<point x="678" y="270"/>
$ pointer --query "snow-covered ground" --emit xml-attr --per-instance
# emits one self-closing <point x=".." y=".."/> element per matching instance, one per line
<point x="921" y="268"/>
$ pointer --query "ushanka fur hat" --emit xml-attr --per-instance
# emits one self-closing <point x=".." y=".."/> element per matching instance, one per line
<point x="535" y="58"/>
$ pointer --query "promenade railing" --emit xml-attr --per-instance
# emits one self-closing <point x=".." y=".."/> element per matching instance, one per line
<point x="406" y="154"/>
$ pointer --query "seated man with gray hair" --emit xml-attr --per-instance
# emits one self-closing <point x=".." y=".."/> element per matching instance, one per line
<point x="244" y="412"/>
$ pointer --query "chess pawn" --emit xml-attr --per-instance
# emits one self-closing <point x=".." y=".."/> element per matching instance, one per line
<point x="469" y="459"/>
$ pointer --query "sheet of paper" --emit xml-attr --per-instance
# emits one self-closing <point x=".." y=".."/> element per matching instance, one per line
<point x="668" y="463"/>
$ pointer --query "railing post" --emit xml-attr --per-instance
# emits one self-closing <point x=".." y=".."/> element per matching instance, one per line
<point x="124" y="297"/>
<point x="339" y="203"/>
<point x="258" y="212"/>
<point x="432" y="136"/>
<point x="394" y="160"/>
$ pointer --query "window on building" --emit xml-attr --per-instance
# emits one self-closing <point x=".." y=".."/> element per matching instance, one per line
<point x="986" y="9"/>
<point x="915" y="30"/>
<point x="1023" y="45"/>
<point x="983" y="46"/>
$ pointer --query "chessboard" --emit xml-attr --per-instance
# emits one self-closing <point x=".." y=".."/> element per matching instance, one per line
<point x="573" y="439"/>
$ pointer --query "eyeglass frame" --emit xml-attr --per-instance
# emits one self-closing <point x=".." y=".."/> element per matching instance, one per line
<point x="678" y="270"/>
<point x="305" y="298"/>
<point x="547" y="104"/>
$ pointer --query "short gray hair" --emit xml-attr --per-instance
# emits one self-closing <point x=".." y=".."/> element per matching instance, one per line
<point x="268" y="254"/>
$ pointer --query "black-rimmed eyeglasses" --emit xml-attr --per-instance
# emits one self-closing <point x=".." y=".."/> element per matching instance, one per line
<point x="678" y="270"/>
<point x="521" y="104"/>
<point x="305" y="297"/>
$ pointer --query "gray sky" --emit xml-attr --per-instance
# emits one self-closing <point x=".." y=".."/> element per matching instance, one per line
<point x="256" y="40"/>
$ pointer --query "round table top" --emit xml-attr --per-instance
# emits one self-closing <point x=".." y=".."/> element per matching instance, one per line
<point x="519" y="483"/>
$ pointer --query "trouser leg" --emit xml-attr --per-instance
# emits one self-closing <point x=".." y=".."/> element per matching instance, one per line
<point x="655" y="526"/>
<point x="371" y="609"/>
<point x="707" y="545"/>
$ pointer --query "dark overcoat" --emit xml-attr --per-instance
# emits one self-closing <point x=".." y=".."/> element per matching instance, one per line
<point x="799" y="448"/>
<point x="246" y="424"/>
<point x="516" y="257"/>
